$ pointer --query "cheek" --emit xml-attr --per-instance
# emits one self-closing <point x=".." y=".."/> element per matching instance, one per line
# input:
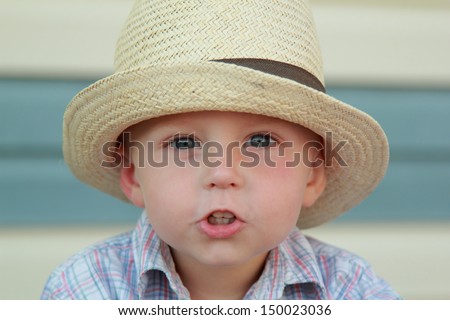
<point x="279" y="202"/>
<point x="169" y="197"/>
<point x="167" y="192"/>
<point x="289" y="175"/>
<point x="282" y="192"/>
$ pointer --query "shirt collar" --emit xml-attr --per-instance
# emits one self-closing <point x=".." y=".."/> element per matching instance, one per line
<point x="292" y="262"/>
<point x="300" y="259"/>
<point x="151" y="253"/>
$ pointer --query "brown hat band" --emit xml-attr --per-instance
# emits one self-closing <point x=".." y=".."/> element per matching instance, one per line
<point x="280" y="69"/>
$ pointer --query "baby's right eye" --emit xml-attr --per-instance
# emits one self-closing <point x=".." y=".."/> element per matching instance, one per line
<point x="261" y="140"/>
<point x="181" y="142"/>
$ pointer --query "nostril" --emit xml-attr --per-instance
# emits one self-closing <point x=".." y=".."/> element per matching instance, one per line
<point x="223" y="178"/>
<point x="214" y="185"/>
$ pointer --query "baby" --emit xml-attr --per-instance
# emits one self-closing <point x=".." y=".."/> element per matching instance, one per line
<point x="217" y="124"/>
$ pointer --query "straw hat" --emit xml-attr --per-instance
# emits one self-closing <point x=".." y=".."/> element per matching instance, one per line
<point x="254" y="56"/>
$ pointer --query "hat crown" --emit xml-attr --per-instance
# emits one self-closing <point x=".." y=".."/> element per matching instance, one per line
<point x="169" y="32"/>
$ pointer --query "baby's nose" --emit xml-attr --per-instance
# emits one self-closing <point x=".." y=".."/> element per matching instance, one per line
<point x="223" y="178"/>
<point x="224" y="171"/>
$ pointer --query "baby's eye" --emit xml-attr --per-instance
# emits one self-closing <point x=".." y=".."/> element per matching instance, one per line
<point x="181" y="142"/>
<point x="261" y="140"/>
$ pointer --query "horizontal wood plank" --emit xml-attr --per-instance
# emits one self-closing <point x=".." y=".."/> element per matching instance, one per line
<point x="38" y="188"/>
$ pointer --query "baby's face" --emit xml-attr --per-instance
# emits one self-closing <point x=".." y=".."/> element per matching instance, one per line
<point x="220" y="187"/>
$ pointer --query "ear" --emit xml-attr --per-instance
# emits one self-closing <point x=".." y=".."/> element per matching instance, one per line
<point x="316" y="184"/>
<point x="130" y="185"/>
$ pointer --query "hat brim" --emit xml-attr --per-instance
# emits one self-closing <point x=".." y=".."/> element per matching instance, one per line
<point x="102" y="111"/>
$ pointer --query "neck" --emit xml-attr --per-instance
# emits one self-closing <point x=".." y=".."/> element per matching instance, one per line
<point x="218" y="283"/>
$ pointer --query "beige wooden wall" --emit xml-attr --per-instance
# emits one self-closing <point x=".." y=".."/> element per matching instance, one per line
<point x="367" y="42"/>
<point x="374" y="42"/>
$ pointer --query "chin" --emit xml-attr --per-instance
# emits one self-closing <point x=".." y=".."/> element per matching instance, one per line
<point x="220" y="261"/>
<point x="233" y="258"/>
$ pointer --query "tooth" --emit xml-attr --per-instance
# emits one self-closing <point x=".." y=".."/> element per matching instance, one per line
<point x="228" y="215"/>
<point x="212" y="220"/>
<point x="223" y="214"/>
<point x="215" y="220"/>
<point x="218" y="214"/>
<point x="231" y="220"/>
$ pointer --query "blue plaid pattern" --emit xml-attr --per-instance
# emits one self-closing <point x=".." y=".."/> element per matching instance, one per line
<point x="138" y="265"/>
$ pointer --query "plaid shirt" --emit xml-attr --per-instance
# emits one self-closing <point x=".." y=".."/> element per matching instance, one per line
<point x="138" y="265"/>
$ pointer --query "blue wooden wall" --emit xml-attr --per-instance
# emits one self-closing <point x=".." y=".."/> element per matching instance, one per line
<point x="36" y="187"/>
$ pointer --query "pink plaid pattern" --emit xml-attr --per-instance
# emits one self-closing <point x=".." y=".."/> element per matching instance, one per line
<point x="138" y="265"/>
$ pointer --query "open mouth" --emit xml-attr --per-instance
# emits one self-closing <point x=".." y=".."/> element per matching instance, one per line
<point x="221" y="218"/>
<point x="221" y="224"/>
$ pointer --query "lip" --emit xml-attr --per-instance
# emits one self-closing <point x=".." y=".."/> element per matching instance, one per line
<point x="222" y="231"/>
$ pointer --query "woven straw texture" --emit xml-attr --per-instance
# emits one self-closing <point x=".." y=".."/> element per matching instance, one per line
<point x="163" y="66"/>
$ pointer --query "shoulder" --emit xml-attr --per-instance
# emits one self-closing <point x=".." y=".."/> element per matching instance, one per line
<point x="348" y="276"/>
<point x="95" y="272"/>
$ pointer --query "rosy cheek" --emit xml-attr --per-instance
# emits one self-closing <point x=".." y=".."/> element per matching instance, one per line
<point x="288" y="185"/>
<point x="164" y="185"/>
<point x="285" y="171"/>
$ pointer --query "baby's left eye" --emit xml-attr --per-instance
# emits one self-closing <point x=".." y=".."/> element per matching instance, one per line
<point x="261" y="140"/>
<point x="181" y="142"/>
